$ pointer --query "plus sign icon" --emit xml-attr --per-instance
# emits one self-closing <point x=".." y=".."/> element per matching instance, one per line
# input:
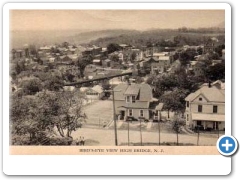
<point x="227" y="145"/>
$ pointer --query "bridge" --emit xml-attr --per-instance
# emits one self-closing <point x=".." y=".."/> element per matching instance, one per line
<point x="99" y="79"/>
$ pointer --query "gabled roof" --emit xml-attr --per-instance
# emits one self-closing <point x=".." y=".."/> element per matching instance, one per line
<point x="159" y="107"/>
<point x="145" y="91"/>
<point x="212" y="94"/>
<point x="96" y="60"/>
<point x="218" y="84"/>
<point x="132" y="90"/>
<point x="151" y="59"/>
<point x="164" y="58"/>
<point x="98" y="89"/>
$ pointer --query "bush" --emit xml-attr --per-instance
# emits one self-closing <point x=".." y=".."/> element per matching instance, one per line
<point x="61" y="141"/>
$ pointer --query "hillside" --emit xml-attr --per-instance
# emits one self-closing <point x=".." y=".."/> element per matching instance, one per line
<point x="104" y="37"/>
<point x="193" y="37"/>
<point x="39" y="38"/>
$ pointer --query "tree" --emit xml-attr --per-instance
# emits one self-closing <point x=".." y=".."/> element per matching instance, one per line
<point x="219" y="49"/>
<point x="21" y="122"/>
<point x="112" y="47"/>
<point x="69" y="77"/>
<point x="174" y="100"/>
<point x="38" y="116"/>
<point x="82" y="63"/>
<point x="31" y="87"/>
<point x="20" y="66"/>
<point x="106" y="86"/>
<point x="213" y="55"/>
<point x="165" y="83"/>
<point x="216" y="72"/>
<point x="33" y="50"/>
<point x="114" y="58"/>
<point x="133" y="56"/>
<point x="186" y="56"/>
<point x="51" y="81"/>
<point x="69" y="114"/>
<point x="177" y="125"/>
<point x="65" y="44"/>
<point x="200" y="50"/>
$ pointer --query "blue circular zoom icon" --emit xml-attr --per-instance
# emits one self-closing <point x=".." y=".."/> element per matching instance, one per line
<point x="227" y="145"/>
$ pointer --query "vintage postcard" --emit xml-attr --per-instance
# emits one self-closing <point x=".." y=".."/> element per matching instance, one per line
<point x="102" y="79"/>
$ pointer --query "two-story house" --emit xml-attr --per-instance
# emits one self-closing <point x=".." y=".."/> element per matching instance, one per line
<point x="206" y="108"/>
<point x="134" y="101"/>
<point x="158" y="63"/>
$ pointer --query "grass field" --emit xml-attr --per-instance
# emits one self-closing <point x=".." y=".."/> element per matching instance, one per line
<point x="99" y="113"/>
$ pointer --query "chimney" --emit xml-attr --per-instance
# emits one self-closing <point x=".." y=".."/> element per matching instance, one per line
<point x="209" y="84"/>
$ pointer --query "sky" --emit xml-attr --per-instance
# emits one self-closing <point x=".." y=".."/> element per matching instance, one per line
<point x="113" y="19"/>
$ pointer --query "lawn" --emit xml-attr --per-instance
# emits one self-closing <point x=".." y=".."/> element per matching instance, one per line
<point x="99" y="112"/>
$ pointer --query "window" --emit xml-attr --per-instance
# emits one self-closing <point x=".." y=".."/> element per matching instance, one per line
<point x="133" y="99"/>
<point x="199" y="108"/>
<point x="141" y="113"/>
<point x="215" y="109"/>
<point x="130" y="112"/>
<point x="200" y="99"/>
<point x="187" y="104"/>
<point x="128" y="99"/>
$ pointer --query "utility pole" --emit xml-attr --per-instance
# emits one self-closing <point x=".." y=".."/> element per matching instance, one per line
<point x="114" y="116"/>
<point x="115" y="121"/>
<point x="198" y="136"/>
<point x="140" y="119"/>
<point x="159" y="137"/>
<point x="128" y="133"/>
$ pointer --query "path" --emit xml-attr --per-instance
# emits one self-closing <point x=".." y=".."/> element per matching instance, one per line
<point x="105" y="137"/>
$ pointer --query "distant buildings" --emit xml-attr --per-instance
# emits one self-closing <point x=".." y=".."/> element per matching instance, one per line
<point x="158" y="63"/>
<point x="93" y="93"/>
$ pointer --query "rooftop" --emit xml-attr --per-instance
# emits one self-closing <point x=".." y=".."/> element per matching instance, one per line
<point x="212" y="94"/>
<point x="144" y="91"/>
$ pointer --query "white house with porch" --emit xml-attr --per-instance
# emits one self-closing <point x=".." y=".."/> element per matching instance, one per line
<point x="206" y="108"/>
<point x="136" y="101"/>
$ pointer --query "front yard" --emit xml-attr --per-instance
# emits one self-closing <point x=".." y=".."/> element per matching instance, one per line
<point x="99" y="113"/>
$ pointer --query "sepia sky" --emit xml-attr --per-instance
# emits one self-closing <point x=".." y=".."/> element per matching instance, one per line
<point x="113" y="19"/>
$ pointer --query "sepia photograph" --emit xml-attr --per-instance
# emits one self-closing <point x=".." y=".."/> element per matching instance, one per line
<point x="96" y="80"/>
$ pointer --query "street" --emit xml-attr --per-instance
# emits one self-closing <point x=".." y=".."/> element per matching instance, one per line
<point x="105" y="137"/>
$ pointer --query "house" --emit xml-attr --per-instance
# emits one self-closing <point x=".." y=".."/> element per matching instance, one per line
<point x="211" y="44"/>
<point x="93" y="51"/>
<point x="52" y="59"/>
<point x="94" y="93"/>
<point x="90" y="70"/>
<point x="199" y="69"/>
<point x="134" y="101"/>
<point x="106" y="63"/>
<point x="157" y="64"/>
<point x="97" y="62"/>
<point x="45" y="49"/>
<point x="218" y="84"/>
<point x="205" y="108"/>
<point x="175" y="66"/>
<point x="73" y="57"/>
<point x="65" y="59"/>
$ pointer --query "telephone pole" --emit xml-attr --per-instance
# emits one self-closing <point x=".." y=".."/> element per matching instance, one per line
<point x="114" y="116"/>
<point x="115" y="120"/>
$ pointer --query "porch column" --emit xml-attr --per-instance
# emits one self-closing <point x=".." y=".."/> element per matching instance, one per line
<point x="204" y="125"/>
